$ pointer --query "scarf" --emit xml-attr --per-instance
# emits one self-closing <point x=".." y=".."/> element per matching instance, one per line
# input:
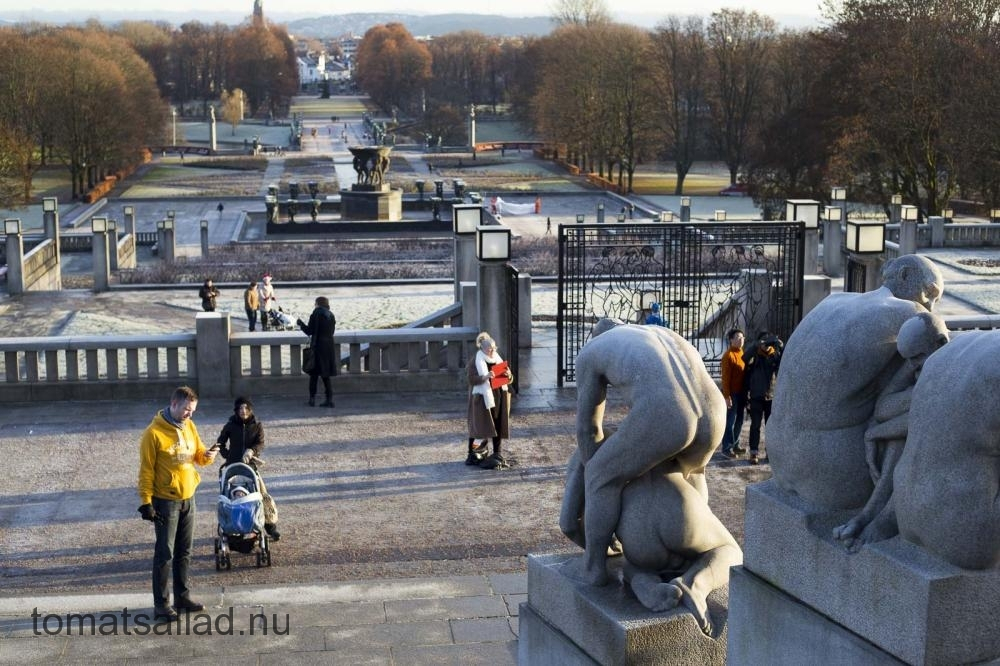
<point x="482" y="369"/>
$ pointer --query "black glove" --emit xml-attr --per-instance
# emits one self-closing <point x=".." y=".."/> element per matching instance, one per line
<point x="149" y="513"/>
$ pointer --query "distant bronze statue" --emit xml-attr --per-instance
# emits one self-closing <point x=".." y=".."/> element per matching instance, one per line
<point x="371" y="163"/>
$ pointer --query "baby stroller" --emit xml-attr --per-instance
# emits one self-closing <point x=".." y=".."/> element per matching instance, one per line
<point x="279" y="321"/>
<point x="240" y="516"/>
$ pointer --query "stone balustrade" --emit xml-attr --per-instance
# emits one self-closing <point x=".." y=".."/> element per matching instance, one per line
<point x="219" y="363"/>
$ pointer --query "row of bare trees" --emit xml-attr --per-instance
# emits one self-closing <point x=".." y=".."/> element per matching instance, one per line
<point x="94" y="99"/>
<point x="889" y="96"/>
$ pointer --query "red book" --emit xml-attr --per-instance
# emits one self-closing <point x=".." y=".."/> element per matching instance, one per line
<point x="499" y="375"/>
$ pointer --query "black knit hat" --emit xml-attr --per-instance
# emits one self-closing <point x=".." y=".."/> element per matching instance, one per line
<point x="242" y="401"/>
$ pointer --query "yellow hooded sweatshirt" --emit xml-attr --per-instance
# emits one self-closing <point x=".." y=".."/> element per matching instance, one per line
<point x="167" y="456"/>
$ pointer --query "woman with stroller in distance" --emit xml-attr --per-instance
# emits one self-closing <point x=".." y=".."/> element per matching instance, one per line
<point x="489" y="408"/>
<point x="208" y="293"/>
<point x="241" y="441"/>
<point x="320" y="328"/>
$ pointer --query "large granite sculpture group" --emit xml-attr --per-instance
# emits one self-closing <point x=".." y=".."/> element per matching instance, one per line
<point x="878" y="536"/>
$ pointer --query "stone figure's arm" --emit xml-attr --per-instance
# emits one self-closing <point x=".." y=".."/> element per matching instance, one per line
<point x="571" y="515"/>
<point x="592" y="393"/>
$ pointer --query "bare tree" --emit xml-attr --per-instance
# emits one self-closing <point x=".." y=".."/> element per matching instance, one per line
<point x="740" y="43"/>
<point x="580" y="12"/>
<point x="679" y="53"/>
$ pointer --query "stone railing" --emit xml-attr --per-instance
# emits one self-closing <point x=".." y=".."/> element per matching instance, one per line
<point x="220" y="363"/>
<point x="41" y="267"/>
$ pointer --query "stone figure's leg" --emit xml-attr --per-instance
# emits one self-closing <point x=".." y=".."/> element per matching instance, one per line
<point x="653" y="593"/>
<point x="852" y="532"/>
<point x="710" y="571"/>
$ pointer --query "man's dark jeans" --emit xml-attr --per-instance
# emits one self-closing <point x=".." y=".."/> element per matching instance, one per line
<point x="760" y="411"/>
<point x="174" y="541"/>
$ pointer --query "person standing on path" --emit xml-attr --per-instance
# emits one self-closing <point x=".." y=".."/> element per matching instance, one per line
<point x="761" y="359"/>
<point x="734" y="393"/>
<point x="321" y="327"/>
<point x="169" y="449"/>
<point x="208" y="293"/>
<point x="489" y="403"/>
<point x="251" y="303"/>
<point x="266" y="299"/>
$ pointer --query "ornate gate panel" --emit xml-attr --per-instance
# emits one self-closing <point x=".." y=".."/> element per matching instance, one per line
<point x="707" y="278"/>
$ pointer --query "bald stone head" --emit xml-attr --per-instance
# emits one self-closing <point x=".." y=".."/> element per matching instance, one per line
<point x="914" y="278"/>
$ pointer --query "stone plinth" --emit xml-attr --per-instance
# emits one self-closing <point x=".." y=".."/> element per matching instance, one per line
<point x="371" y="202"/>
<point x="891" y="594"/>
<point x="566" y="622"/>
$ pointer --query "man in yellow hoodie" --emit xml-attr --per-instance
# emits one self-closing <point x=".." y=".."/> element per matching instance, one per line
<point x="169" y="449"/>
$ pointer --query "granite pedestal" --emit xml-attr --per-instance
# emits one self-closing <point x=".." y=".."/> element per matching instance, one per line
<point x="800" y="591"/>
<point x="567" y="622"/>
<point x="371" y="202"/>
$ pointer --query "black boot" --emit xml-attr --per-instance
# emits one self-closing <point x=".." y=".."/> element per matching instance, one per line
<point x="312" y="401"/>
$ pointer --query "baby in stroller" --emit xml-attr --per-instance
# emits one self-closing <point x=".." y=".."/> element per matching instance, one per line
<point x="240" y="516"/>
<point x="280" y="321"/>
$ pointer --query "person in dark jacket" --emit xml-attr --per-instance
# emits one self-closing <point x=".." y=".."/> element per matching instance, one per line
<point x="208" y="293"/>
<point x="761" y="360"/>
<point x="320" y="328"/>
<point x="242" y="441"/>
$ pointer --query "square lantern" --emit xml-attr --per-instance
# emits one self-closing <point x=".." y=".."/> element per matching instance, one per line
<point x="171" y="215"/>
<point x="129" y="211"/>
<point x="621" y="218"/>
<point x="492" y="242"/>
<point x="466" y="218"/>
<point x="995" y="215"/>
<point x="580" y="218"/>
<point x="204" y="224"/>
<point x="159" y="225"/>
<point x="833" y="214"/>
<point x="909" y="213"/>
<point x="12" y="226"/>
<point x="50" y="204"/>
<point x="838" y="194"/>
<point x="947" y="213"/>
<point x="666" y="216"/>
<point x="802" y="210"/>
<point x="865" y="237"/>
<point x="897" y="200"/>
<point x="685" y="202"/>
<point x="720" y="216"/>
<point x="99" y="225"/>
<point x="168" y="224"/>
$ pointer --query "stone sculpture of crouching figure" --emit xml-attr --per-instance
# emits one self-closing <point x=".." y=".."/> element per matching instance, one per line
<point x="645" y="483"/>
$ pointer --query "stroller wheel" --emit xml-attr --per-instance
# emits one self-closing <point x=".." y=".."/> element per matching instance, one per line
<point x="229" y="562"/>
<point x="216" y="546"/>
<point x="260" y="559"/>
<point x="267" y="558"/>
<point x="218" y="562"/>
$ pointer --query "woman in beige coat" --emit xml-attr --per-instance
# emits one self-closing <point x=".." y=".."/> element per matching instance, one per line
<point x="489" y="408"/>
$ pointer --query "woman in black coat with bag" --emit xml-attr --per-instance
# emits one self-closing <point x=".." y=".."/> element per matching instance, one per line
<point x="320" y="328"/>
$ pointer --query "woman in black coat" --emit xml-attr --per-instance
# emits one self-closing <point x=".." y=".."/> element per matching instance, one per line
<point x="320" y="328"/>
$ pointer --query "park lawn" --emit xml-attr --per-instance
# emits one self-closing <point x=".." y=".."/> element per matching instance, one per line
<point x="665" y="183"/>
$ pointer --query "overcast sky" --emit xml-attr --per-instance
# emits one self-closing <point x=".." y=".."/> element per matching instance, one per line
<point x="801" y="8"/>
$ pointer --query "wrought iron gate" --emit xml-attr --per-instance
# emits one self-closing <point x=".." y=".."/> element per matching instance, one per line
<point x="706" y="277"/>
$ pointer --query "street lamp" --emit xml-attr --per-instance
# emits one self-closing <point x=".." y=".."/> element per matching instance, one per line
<point x="948" y="214"/>
<point x="580" y="218"/>
<point x="865" y="237"/>
<point x="621" y="218"/>
<point x="12" y="226"/>
<point x="838" y="194"/>
<point x="173" y="113"/>
<point x="168" y="224"/>
<point x="832" y="214"/>
<point x="909" y="213"/>
<point x="720" y="216"/>
<point x="994" y="215"/>
<point x="802" y="210"/>
<point x="50" y="204"/>
<point x="466" y="218"/>
<point x="129" y="211"/>
<point x="666" y="216"/>
<point x="492" y="243"/>
<point x="897" y="199"/>
<point x="99" y="224"/>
